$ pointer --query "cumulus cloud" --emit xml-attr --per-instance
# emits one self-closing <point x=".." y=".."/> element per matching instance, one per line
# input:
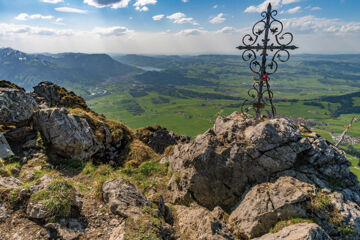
<point x="290" y="1"/>
<point x="70" y="10"/>
<point x="112" y="31"/>
<point x="115" y="4"/>
<point x="180" y="18"/>
<point x="14" y="29"/>
<point x="52" y="1"/>
<point x="191" y="32"/>
<point x="25" y="17"/>
<point x="294" y="10"/>
<point x="158" y="17"/>
<point x="140" y="5"/>
<point x="311" y="24"/>
<point x="276" y="4"/>
<point x="218" y="19"/>
<point x="185" y="1"/>
<point x="215" y="6"/>
<point x="226" y="30"/>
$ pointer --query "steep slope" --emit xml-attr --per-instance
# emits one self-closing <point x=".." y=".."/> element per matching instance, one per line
<point x="69" y="173"/>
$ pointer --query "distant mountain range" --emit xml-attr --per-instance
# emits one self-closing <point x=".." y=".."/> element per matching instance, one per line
<point x="64" y="69"/>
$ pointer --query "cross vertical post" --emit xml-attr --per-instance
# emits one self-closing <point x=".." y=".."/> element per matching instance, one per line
<point x="268" y="26"/>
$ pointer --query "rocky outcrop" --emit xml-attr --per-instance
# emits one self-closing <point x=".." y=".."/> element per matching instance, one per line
<point x="37" y="211"/>
<point x="267" y="203"/>
<point x="5" y="150"/>
<point x="159" y="138"/>
<point x="123" y="198"/>
<point x="68" y="135"/>
<point x="55" y="96"/>
<point x="16" y="107"/>
<point x="9" y="182"/>
<point x="301" y="231"/>
<point x="198" y="223"/>
<point x="219" y="166"/>
<point x="67" y="229"/>
<point x="3" y="213"/>
<point x="265" y="172"/>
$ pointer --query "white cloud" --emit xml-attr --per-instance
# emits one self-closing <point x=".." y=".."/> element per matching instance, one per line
<point x="263" y="6"/>
<point x="276" y="4"/>
<point x="185" y="1"/>
<point x="14" y="29"/>
<point x="180" y="18"/>
<point x="112" y="31"/>
<point x="215" y="6"/>
<point x="227" y="30"/>
<point x="290" y="1"/>
<point x="25" y="17"/>
<point x="311" y="24"/>
<point x="158" y="17"/>
<point x="70" y="10"/>
<point x="140" y="5"/>
<point x="52" y="1"/>
<point x="115" y="4"/>
<point x="58" y="20"/>
<point x="191" y="32"/>
<point x="294" y="10"/>
<point x="315" y="8"/>
<point x="218" y="19"/>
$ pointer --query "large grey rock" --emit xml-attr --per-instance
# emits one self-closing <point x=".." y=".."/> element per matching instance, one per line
<point x="219" y="166"/>
<point x="36" y="211"/>
<point x="123" y="198"/>
<point x="68" y="135"/>
<point x="67" y="229"/>
<point x="198" y="223"/>
<point x="43" y="182"/>
<point x="5" y="150"/>
<point x="9" y="182"/>
<point x="15" y="106"/>
<point x="3" y="213"/>
<point x="300" y="231"/>
<point x="267" y="203"/>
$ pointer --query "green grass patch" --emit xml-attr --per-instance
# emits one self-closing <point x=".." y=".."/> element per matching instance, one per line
<point x="58" y="198"/>
<point x="282" y="224"/>
<point x="146" y="174"/>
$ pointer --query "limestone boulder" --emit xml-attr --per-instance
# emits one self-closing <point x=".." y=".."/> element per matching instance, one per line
<point x="16" y="107"/>
<point x="5" y="149"/>
<point x="67" y="134"/>
<point x="267" y="203"/>
<point x="9" y="182"/>
<point x="55" y="96"/>
<point x="3" y="213"/>
<point x="123" y="198"/>
<point x="36" y="211"/>
<point x="198" y="223"/>
<point x="219" y="166"/>
<point x="300" y="231"/>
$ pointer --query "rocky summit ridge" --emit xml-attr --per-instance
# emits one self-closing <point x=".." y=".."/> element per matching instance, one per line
<point x="67" y="172"/>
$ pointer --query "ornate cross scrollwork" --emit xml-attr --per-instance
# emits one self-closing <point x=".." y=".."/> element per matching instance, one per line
<point x="267" y="37"/>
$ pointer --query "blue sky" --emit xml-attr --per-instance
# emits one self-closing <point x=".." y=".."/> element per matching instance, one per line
<point x="172" y="26"/>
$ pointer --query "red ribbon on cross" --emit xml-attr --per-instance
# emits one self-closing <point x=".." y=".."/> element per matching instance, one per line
<point x="265" y="76"/>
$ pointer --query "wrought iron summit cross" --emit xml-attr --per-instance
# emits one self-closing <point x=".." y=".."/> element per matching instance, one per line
<point x="270" y="30"/>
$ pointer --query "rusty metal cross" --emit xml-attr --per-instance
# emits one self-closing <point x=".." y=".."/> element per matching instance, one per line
<point x="268" y="26"/>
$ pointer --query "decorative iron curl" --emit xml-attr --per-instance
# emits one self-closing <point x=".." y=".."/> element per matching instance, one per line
<point x="260" y="94"/>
